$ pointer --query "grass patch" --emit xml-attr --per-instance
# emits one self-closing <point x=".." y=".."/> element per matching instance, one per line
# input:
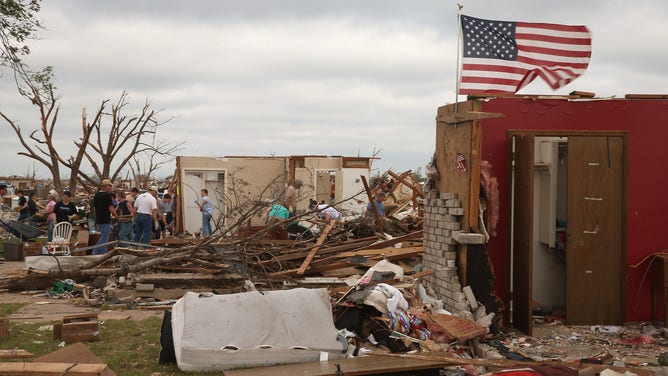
<point x="7" y="309"/>
<point x="129" y="348"/>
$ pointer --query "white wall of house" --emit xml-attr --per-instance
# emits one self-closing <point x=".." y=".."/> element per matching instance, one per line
<point x="233" y="179"/>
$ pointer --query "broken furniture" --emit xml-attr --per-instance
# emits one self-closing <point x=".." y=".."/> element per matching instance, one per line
<point x="253" y="329"/>
<point x="60" y="243"/>
<point x="17" y="250"/>
<point x="77" y="328"/>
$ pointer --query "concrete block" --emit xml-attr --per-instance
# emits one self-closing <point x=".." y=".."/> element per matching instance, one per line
<point x="448" y="196"/>
<point x="453" y="203"/>
<point x="473" y="302"/>
<point x="446" y="272"/>
<point x="468" y="238"/>
<point x="455" y="211"/>
<point x="450" y="241"/>
<point x="144" y="287"/>
<point x="459" y="297"/>
<point x="450" y="218"/>
<point x="453" y="226"/>
<point x="461" y="306"/>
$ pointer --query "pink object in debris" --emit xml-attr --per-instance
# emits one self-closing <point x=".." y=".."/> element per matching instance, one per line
<point x="639" y="340"/>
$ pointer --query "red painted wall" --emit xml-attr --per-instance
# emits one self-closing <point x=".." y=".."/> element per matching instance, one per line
<point x="647" y="122"/>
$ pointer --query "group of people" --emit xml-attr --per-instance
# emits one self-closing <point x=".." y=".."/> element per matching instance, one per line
<point x="280" y="211"/>
<point x="27" y="207"/>
<point x="140" y="217"/>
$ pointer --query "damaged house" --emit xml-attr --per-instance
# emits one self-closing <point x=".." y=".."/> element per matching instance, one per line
<point x="231" y="180"/>
<point x="581" y="208"/>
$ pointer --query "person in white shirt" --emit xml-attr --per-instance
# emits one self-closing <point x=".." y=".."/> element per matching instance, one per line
<point x="324" y="211"/>
<point x="146" y="215"/>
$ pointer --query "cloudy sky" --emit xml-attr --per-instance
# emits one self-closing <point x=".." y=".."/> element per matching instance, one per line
<point x="266" y="77"/>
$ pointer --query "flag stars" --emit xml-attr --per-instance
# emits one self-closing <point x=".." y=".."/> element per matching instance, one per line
<point x="490" y="39"/>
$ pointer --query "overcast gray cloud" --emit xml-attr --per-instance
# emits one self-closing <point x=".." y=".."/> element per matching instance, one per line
<point x="304" y="76"/>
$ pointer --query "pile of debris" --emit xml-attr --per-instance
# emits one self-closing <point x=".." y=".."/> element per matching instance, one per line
<point x="372" y="276"/>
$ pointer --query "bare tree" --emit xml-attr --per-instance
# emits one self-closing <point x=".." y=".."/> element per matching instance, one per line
<point x="37" y="88"/>
<point x="142" y="169"/>
<point x="107" y="144"/>
<point x="116" y="140"/>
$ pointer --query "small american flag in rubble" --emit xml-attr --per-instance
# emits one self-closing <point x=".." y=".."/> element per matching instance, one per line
<point x="461" y="167"/>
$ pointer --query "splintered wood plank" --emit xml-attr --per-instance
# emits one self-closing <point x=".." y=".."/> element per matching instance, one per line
<point x="393" y="241"/>
<point x="15" y="354"/>
<point x="55" y="369"/>
<point x="403" y="181"/>
<point x="351" y="366"/>
<point x="383" y="251"/>
<point x="315" y="249"/>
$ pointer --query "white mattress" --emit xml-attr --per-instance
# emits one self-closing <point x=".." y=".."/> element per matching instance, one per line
<point x="219" y="332"/>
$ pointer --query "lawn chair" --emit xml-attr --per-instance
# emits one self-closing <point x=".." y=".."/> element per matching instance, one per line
<point x="60" y="243"/>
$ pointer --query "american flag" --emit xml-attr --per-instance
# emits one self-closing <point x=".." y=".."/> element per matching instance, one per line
<point x="461" y="167"/>
<point x="504" y="56"/>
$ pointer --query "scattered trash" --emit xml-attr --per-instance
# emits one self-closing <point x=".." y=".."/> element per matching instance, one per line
<point x="608" y="329"/>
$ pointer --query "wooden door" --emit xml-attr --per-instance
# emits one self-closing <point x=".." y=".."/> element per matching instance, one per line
<point x="522" y="254"/>
<point x="595" y="229"/>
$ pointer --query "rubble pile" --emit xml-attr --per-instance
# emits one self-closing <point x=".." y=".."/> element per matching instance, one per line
<point x="373" y="274"/>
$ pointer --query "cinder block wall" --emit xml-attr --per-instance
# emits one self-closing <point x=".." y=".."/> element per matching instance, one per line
<point x="442" y="213"/>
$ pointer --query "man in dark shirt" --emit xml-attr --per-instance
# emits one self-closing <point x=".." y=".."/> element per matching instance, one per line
<point x="33" y="209"/>
<point x="104" y="210"/>
<point x="24" y="213"/>
<point x="65" y="210"/>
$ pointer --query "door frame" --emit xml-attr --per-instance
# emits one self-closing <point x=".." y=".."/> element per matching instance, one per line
<point x="518" y="315"/>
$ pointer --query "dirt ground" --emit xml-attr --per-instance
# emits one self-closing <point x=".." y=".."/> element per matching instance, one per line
<point x="42" y="308"/>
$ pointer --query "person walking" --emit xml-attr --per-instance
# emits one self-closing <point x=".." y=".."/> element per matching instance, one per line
<point x="207" y="212"/>
<point x="104" y="211"/>
<point x="146" y="215"/>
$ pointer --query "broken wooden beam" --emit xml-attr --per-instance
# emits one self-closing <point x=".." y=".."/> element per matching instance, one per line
<point x="15" y="354"/>
<point x="393" y="241"/>
<point x="52" y="369"/>
<point x="379" y="220"/>
<point x="318" y="243"/>
<point x="403" y="181"/>
<point x="383" y="252"/>
<point x="450" y="359"/>
<point x="460" y="117"/>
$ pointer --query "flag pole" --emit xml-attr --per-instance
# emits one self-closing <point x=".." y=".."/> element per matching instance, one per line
<point x="459" y="47"/>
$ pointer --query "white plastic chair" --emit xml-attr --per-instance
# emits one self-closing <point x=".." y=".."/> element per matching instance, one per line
<point x="61" y="238"/>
